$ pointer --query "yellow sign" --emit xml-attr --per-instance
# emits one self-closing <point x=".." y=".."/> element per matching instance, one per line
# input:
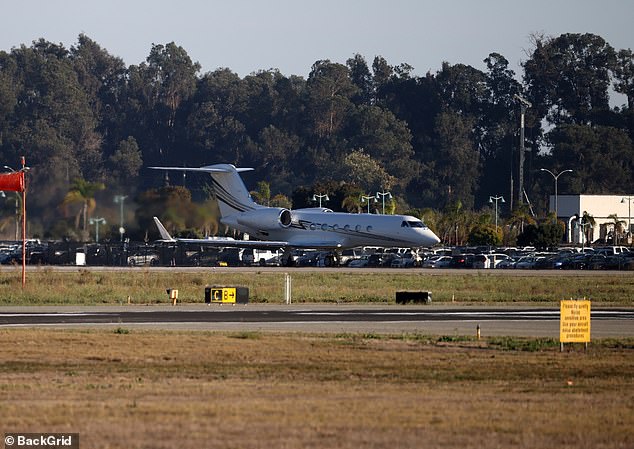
<point x="574" y="321"/>
<point x="223" y="295"/>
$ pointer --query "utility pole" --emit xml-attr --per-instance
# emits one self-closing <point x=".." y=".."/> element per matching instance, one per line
<point x="524" y="104"/>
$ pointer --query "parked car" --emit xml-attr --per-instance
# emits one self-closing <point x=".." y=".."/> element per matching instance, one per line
<point x="506" y="263"/>
<point x="308" y="259"/>
<point x="375" y="260"/>
<point x="489" y="260"/>
<point x="462" y="261"/>
<point x="577" y="262"/>
<point x="612" y="250"/>
<point x="406" y="260"/>
<point x="386" y="260"/>
<point x="526" y="262"/>
<point x="143" y="259"/>
<point x="481" y="261"/>
<point x="437" y="262"/>
<point x="545" y="263"/>
<point x="348" y="255"/>
<point x="361" y="262"/>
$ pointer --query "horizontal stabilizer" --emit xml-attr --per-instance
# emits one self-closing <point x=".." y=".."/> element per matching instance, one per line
<point x="206" y="169"/>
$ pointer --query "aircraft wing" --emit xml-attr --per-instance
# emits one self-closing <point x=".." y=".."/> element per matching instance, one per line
<point x="332" y="244"/>
<point x="220" y="242"/>
<point x="256" y="244"/>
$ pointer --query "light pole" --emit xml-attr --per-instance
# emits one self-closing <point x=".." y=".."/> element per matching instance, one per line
<point x="119" y="199"/>
<point x="367" y="199"/>
<point x="629" y="213"/>
<point x="496" y="199"/>
<point x="319" y="197"/>
<point x="556" y="177"/>
<point x="383" y="195"/>
<point x="96" y="222"/>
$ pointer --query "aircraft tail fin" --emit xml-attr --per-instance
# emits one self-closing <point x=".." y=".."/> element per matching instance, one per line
<point x="164" y="234"/>
<point x="231" y="193"/>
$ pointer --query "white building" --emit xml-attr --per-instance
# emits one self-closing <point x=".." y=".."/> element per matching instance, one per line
<point x="571" y="207"/>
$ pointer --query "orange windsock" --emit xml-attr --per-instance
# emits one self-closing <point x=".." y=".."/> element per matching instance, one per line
<point x="12" y="181"/>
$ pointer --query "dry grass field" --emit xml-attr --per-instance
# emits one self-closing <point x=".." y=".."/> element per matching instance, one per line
<point x="147" y="286"/>
<point x="124" y="388"/>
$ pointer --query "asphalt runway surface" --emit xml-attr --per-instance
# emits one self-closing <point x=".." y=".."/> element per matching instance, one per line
<point x="428" y="319"/>
<point x="316" y="318"/>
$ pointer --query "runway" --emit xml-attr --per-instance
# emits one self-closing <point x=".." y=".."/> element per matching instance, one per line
<point x="316" y="318"/>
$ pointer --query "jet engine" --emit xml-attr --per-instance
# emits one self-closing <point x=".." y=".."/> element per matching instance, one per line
<point x="268" y="218"/>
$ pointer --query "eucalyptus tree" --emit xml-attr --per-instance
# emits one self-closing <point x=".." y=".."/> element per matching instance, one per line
<point x="385" y="139"/>
<point x="497" y="128"/>
<point x="362" y="78"/>
<point x="215" y="128"/>
<point x="329" y="92"/>
<point x="53" y="124"/>
<point x="126" y="162"/>
<point x="624" y="76"/>
<point x="568" y="77"/>
<point x="158" y="89"/>
<point x="103" y="79"/>
<point x="601" y="157"/>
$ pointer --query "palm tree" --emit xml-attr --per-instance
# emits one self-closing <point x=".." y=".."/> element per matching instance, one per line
<point x="352" y="203"/>
<point x="263" y="194"/>
<point x="83" y="192"/>
<point x="519" y="218"/>
<point x="450" y="221"/>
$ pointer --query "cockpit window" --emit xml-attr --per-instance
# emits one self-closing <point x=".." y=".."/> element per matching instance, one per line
<point x="415" y="224"/>
<point x="404" y="225"/>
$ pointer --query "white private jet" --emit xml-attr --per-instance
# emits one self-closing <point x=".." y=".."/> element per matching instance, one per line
<point x="311" y="228"/>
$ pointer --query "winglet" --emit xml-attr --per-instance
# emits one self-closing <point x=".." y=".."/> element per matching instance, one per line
<point x="164" y="234"/>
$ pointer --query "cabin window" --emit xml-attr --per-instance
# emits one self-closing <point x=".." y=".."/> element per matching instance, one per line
<point x="346" y="228"/>
<point x="313" y="226"/>
<point x="357" y="228"/>
<point x="324" y="227"/>
<point x="369" y="228"/>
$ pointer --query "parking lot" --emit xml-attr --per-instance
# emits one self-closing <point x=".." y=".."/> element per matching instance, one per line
<point x="170" y="254"/>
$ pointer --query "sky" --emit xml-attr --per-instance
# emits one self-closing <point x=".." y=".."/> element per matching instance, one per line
<point x="290" y="35"/>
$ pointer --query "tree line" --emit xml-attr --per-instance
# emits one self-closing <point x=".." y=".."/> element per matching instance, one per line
<point x="441" y="143"/>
